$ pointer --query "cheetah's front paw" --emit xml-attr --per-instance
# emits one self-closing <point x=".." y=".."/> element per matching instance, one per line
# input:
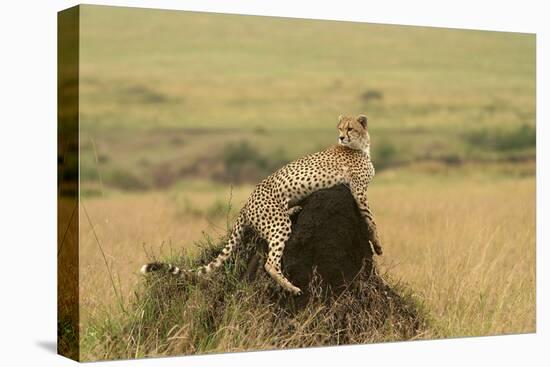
<point x="376" y="246"/>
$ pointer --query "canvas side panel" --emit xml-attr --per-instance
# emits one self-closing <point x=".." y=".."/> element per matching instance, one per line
<point x="67" y="183"/>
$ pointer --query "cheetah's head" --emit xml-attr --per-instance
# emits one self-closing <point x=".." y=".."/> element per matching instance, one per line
<point x="353" y="132"/>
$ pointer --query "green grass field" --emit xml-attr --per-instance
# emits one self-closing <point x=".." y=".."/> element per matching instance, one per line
<point x="162" y="90"/>
<point x="180" y="111"/>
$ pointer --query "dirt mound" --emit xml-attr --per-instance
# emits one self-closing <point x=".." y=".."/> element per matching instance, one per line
<point x="329" y="237"/>
<point x="240" y="307"/>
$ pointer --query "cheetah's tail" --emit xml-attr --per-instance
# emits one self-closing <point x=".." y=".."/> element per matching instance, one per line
<point x="168" y="268"/>
<point x="234" y="239"/>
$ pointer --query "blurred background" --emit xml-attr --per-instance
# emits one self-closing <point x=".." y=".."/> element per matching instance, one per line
<point x="172" y="96"/>
<point x="182" y="113"/>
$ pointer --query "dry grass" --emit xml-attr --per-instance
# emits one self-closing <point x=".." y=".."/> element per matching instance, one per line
<point x="131" y="226"/>
<point x="226" y="313"/>
<point x="467" y="248"/>
<point x="465" y="245"/>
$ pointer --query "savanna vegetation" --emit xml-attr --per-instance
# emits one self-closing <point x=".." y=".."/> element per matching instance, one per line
<point x="182" y="113"/>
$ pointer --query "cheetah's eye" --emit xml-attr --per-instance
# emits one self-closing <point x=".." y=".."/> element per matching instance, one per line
<point x="349" y="129"/>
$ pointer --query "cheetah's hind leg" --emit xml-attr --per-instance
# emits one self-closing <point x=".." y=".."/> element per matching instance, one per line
<point x="277" y="235"/>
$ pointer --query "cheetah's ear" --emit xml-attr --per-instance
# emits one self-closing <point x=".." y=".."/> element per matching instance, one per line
<point x="362" y="119"/>
<point x="340" y="118"/>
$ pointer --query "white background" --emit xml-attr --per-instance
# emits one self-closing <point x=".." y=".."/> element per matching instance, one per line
<point x="28" y="182"/>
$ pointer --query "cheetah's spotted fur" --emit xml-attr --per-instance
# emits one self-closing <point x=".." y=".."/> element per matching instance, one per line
<point x="273" y="201"/>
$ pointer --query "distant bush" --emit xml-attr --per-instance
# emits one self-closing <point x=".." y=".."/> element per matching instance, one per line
<point x="451" y="159"/>
<point x="244" y="162"/>
<point x="102" y="158"/>
<point x="163" y="175"/>
<point x="217" y="209"/>
<point x="384" y="154"/>
<point x="371" y="95"/>
<point x="126" y="180"/>
<point x="90" y="191"/>
<point x="142" y="94"/>
<point x="184" y="207"/>
<point x="177" y="141"/>
<point x="88" y="172"/>
<point x="503" y="140"/>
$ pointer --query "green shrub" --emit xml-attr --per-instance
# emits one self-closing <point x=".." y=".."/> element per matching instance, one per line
<point x="523" y="137"/>
<point x="185" y="208"/>
<point x="384" y="154"/>
<point x="125" y="180"/>
<point x="244" y="163"/>
<point x="218" y="208"/>
<point x="89" y="172"/>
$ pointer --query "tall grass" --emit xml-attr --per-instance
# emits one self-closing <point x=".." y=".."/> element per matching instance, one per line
<point x="225" y="313"/>
<point x="467" y="248"/>
<point x="466" y="251"/>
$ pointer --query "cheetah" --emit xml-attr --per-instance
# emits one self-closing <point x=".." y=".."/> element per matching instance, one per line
<point x="270" y="206"/>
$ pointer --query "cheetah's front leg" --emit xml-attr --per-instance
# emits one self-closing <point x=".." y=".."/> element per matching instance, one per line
<point x="373" y="232"/>
<point x="359" y="193"/>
